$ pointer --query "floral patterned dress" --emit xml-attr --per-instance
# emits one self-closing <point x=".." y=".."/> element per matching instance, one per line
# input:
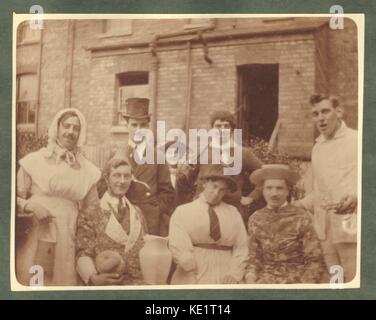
<point x="283" y="247"/>
<point x="98" y="230"/>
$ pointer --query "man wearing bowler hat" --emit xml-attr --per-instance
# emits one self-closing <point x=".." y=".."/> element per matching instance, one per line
<point x="283" y="246"/>
<point x="207" y="237"/>
<point x="155" y="204"/>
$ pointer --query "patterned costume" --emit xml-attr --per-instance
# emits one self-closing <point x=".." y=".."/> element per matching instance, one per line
<point x="283" y="247"/>
<point x="98" y="230"/>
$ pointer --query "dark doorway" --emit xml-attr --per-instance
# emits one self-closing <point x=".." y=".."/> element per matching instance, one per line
<point x="258" y="100"/>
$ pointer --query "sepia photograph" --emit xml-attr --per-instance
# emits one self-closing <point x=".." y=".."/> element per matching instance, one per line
<point x="186" y="151"/>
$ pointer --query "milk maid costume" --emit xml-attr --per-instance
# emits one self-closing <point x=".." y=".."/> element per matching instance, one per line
<point x="63" y="182"/>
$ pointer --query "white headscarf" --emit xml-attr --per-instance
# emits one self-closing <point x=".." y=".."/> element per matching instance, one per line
<point x="53" y="130"/>
<point x="53" y="145"/>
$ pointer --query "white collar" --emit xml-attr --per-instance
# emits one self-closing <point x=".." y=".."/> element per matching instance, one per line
<point x="109" y="202"/>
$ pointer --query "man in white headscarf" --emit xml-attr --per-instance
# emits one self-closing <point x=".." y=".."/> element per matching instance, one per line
<point x="53" y="184"/>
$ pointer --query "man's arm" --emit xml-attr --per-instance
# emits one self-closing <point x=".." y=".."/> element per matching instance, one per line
<point x="86" y="242"/>
<point x="166" y="193"/>
<point x="255" y="257"/>
<point x="251" y="162"/>
<point x="180" y="243"/>
<point x="313" y="259"/>
<point x="240" y="251"/>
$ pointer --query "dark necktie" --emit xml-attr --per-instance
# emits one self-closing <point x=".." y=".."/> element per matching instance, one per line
<point x="215" y="230"/>
<point x="123" y="215"/>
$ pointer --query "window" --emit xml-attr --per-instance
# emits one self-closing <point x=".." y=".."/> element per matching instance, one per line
<point x="27" y="98"/>
<point x="199" y="23"/>
<point x="25" y="34"/>
<point x="117" y="27"/>
<point x="133" y="84"/>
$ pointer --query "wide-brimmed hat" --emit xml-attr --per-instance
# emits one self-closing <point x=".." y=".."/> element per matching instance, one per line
<point x="274" y="171"/>
<point x="137" y="108"/>
<point x="216" y="171"/>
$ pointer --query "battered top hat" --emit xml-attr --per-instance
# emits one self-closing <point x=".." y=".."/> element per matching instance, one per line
<point x="215" y="171"/>
<point x="274" y="171"/>
<point x="137" y="108"/>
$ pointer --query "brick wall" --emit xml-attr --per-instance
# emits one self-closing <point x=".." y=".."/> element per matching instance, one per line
<point x="303" y="69"/>
<point x="343" y="69"/>
<point x="53" y="71"/>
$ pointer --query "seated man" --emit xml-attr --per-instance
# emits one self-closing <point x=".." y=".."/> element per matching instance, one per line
<point x="207" y="237"/>
<point x="283" y="246"/>
<point x="110" y="237"/>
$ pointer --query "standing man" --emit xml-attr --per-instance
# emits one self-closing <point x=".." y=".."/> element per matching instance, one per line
<point x="156" y="205"/>
<point x="207" y="237"/>
<point x="334" y="196"/>
<point x="242" y="197"/>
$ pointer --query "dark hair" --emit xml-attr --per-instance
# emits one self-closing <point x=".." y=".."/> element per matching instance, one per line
<point x="67" y="115"/>
<point x="222" y="115"/>
<point x="113" y="163"/>
<point x="318" y="97"/>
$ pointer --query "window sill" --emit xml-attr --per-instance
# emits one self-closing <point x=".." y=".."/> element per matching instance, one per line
<point x="113" y="35"/>
<point x="203" y="25"/>
<point x="27" y="43"/>
<point x="26" y="127"/>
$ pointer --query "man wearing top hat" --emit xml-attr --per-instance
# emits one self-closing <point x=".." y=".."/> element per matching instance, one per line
<point x="283" y="246"/>
<point x="207" y="237"/>
<point x="155" y="204"/>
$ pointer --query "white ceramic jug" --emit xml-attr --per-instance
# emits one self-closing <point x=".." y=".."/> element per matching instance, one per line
<point x="155" y="260"/>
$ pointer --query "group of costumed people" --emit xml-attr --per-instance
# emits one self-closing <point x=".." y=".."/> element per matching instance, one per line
<point x="121" y="226"/>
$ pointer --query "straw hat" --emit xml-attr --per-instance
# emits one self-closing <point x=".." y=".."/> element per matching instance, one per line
<point x="274" y="171"/>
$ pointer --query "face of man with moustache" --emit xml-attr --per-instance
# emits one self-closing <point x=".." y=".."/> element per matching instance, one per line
<point x="326" y="117"/>
<point x="69" y="131"/>
<point x="275" y="192"/>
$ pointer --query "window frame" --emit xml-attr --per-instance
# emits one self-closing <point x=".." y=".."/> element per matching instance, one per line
<point x="120" y="83"/>
<point x="109" y="34"/>
<point x="27" y="125"/>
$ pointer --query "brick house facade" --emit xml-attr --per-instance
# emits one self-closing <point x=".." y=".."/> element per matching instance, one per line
<point x="264" y="70"/>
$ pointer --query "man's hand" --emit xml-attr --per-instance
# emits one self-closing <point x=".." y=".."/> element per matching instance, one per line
<point x="41" y="213"/>
<point x="106" y="279"/>
<point x="246" y="201"/>
<point x="228" y="279"/>
<point x="347" y="204"/>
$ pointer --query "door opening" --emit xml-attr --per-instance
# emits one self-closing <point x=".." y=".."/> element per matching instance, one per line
<point x="258" y="100"/>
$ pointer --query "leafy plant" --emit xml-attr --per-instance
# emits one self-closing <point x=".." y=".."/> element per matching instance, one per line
<point x="267" y="156"/>
<point x="27" y="142"/>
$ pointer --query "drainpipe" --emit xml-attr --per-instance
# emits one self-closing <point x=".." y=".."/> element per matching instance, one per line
<point x="39" y="82"/>
<point x="154" y="82"/>
<point x="189" y="89"/>
<point x="69" y="66"/>
<point x="153" y="51"/>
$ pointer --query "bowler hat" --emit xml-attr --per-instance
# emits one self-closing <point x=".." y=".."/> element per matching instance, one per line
<point x="137" y="108"/>
<point x="274" y="171"/>
<point x="215" y="171"/>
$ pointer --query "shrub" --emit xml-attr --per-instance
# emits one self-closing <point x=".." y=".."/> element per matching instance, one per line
<point x="261" y="150"/>
<point x="27" y="142"/>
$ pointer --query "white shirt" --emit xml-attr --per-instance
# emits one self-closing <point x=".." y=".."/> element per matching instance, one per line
<point x="335" y="171"/>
